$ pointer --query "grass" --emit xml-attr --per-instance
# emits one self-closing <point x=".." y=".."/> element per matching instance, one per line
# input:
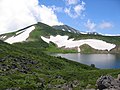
<point x="37" y="70"/>
<point x="47" y="72"/>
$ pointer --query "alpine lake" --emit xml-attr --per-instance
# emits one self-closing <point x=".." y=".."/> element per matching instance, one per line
<point x="103" y="61"/>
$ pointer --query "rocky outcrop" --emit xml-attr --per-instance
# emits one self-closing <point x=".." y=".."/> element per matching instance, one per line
<point x="108" y="83"/>
<point x="116" y="49"/>
<point x="10" y="64"/>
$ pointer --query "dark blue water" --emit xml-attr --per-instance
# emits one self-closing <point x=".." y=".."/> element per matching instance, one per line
<point x="105" y="61"/>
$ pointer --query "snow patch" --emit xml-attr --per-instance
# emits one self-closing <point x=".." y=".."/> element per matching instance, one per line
<point x="63" y="29"/>
<point x="78" y="49"/>
<point x="69" y="30"/>
<point x="71" y="43"/>
<point x="83" y="32"/>
<point x="110" y="34"/>
<point x="21" y="37"/>
<point x="2" y="37"/>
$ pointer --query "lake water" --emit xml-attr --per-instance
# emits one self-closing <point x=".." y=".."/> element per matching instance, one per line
<point x="100" y="60"/>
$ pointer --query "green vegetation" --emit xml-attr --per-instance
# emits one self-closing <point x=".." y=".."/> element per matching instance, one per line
<point x="52" y="48"/>
<point x="45" y="30"/>
<point x="27" y="66"/>
<point x="87" y="50"/>
<point x="109" y="39"/>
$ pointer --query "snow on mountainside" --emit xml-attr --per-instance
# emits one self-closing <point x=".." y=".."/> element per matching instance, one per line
<point x="66" y="28"/>
<point x="62" y="38"/>
<point x="110" y="34"/>
<point x="70" y="43"/>
<point x="72" y="30"/>
<point x="20" y="36"/>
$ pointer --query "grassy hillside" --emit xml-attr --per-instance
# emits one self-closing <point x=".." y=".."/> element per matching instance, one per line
<point x="45" y="30"/>
<point x="25" y="68"/>
<point x="109" y="39"/>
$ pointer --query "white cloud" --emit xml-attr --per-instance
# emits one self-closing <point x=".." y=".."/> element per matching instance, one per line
<point x="69" y="2"/>
<point x="68" y="11"/>
<point x="14" y="14"/>
<point x="56" y="9"/>
<point x="75" y="11"/>
<point x="105" y="25"/>
<point x="79" y="8"/>
<point x="90" y="25"/>
<point x="17" y="14"/>
<point x="48" y="16"/>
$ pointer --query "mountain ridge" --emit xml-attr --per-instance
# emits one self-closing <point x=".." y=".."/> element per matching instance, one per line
<point x="26" y="65"/>
<point x="42" y="30"/>
<point x="66" y="28"/>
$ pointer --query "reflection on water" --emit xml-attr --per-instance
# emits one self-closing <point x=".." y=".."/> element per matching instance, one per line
<point x="100" y="60"/>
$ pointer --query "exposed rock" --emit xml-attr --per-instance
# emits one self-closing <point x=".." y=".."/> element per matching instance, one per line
<point x="92" y="65"/>
<point x="108" y="82"/>
<point x="118" y="77"/>
<point x="58" y="76"/>
<point x="41" y="80"/>
<point x="116" y="49"/>
<point x="11" y="64"/>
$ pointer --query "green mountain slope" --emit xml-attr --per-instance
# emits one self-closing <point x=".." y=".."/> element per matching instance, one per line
<point x="25" y="65"/>
<point x="34" y="40"/>
<point x="22" y="68"/>
<point x="45" y="30"/>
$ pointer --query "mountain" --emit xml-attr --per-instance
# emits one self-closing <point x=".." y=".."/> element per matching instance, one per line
<point x="32" y="33"/>
<point x="54" y="40"/>
<point x="66" y="28"/>
<point x="72" y="30"/>
<point x="24" y="68"/>
<point x="24" y="64"/>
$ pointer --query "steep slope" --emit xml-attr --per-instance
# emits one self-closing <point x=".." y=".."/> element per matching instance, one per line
<point x="38" y="32"/>
<point x="22" y="68"/>
<point x="24" y="65"/>
<point x="32" y="33"/>
<point x="63" y="41"/>
<point x="72" y="30"/>
<point x="66" y="28"/>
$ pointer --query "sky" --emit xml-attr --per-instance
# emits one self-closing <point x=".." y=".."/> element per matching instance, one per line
<point x="102" y="16"/>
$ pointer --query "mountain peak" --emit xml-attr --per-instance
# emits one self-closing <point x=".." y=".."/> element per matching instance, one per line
<point x="66" y="28"/>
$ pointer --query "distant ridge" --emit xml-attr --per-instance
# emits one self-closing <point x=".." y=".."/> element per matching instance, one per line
<point x="41" y="32"/>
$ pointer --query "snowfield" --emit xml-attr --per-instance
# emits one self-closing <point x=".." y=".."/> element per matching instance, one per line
<point x="2" y="37"/>
<point x="21" y="37"/>
<point x="61" y="41"/>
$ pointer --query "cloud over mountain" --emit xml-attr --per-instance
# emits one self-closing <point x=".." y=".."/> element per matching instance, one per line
<point x="48" y="16"/>
<point x="90" y="25"/>
<point x="17" y="14"/>
<point x="69" y="2"/>
<point x="105" y="25"/>
<point x="76" y="10"/>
